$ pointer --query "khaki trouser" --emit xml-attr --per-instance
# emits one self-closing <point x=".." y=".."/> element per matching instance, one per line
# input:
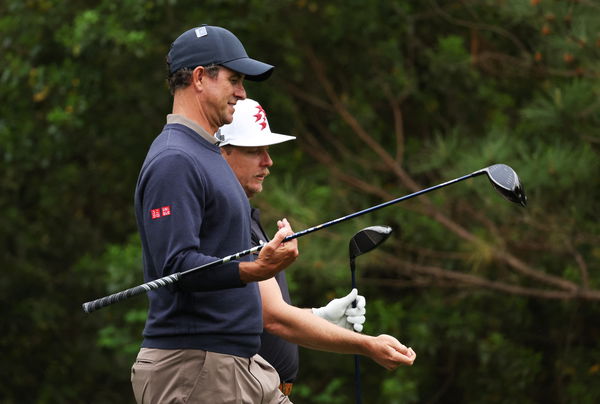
<point x="161" y="376"/>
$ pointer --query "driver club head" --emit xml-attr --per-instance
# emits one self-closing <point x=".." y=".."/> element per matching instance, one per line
<point x="506" y="181"/>
<point x="368" y="239"/>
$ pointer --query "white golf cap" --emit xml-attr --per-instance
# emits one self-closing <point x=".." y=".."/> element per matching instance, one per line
<point x="250" y="127"/>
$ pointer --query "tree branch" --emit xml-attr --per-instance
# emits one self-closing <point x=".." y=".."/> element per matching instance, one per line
<point x="498" y="252"/>
<point x="465" y="279"/>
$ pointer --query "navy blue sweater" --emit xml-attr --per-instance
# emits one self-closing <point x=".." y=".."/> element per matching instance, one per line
<point x="191" y="210"/>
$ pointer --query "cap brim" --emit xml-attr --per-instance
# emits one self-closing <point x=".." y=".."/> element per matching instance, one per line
<point x="257" y="141"/>
<point x="252" y="69"/>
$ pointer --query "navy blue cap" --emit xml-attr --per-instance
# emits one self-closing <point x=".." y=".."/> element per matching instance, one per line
<point x="206" y="45"/>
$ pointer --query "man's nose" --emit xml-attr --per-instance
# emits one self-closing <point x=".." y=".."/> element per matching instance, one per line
<point x="266" y="159"/>
<point x="240" y="92"/>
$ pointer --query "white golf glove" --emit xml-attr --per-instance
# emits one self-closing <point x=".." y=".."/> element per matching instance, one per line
<point x="340" y="311"/>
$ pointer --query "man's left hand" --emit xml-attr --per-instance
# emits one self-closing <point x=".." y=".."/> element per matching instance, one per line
<point x="340" y="311"/>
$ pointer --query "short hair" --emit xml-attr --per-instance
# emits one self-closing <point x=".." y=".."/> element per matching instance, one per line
<point x="183" y="77"/>
<point x="228" y="148"/>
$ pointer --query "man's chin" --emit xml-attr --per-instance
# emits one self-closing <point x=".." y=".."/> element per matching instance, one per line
<point x="257" y="189"/>
<point x="251" y="191"/>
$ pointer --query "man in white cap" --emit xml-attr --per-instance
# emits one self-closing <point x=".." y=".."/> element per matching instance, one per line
<point x="200" y="344"/>
<point x="245" y="146"/>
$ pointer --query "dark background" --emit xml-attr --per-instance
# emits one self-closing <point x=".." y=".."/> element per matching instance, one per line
<point x="385" y="98"/>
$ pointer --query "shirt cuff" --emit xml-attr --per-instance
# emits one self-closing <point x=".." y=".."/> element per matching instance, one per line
<point x="224" y="276"/>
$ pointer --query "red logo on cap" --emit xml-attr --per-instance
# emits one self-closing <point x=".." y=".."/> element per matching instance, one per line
<point x="261" y="117"/>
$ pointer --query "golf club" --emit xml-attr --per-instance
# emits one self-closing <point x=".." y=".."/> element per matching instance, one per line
<point x="364" y="241"/>
<point x="503" y="178"/>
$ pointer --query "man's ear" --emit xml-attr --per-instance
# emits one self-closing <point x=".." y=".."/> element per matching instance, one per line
<point x="197" y="76"/>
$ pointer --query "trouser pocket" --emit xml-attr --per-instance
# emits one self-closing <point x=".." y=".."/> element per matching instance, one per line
<point x="166" y="376"/>
<point x="141" y="373"/>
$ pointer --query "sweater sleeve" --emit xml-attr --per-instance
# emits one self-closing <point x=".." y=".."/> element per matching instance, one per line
<point x="173" y="198"/>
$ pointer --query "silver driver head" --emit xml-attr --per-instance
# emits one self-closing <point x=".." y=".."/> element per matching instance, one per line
<point x="506" y="181"/>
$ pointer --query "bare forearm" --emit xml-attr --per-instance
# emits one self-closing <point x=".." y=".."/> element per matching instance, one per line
<point x="302" y="327"/>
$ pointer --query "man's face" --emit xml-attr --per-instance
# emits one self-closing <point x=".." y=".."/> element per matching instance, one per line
<point x="250" y="165"/>
<point x="221" y="93"/>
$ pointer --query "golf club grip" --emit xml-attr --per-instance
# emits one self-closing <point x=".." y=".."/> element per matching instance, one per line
<point x="94" y="305"/>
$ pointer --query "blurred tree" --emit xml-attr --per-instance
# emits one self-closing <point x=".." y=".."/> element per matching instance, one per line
<point x="69" y="154"/>
<point x="385" y="98"/>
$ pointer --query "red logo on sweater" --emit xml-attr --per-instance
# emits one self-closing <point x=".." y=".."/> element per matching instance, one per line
<point x="156" y="213"/>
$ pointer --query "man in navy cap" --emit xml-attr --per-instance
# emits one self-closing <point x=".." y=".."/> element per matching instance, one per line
<point x="202" y="335"/>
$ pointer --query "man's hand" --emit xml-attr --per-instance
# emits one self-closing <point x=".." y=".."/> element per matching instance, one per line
<point x="273" y="257"/>
<point x="340" y="311"/>
<point x="389" y="352"/>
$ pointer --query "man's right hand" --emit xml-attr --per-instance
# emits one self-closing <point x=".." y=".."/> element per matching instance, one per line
<point x="390" y="353"/>
<point x="273" y="257"/>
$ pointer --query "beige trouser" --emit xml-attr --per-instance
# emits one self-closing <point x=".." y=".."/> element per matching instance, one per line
<point x="161" y="376"/>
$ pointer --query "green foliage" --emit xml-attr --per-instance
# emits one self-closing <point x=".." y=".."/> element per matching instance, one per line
<point x="331" y="393"/>
<point x="398" y="390"/>
<point x="444" y="88"/>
